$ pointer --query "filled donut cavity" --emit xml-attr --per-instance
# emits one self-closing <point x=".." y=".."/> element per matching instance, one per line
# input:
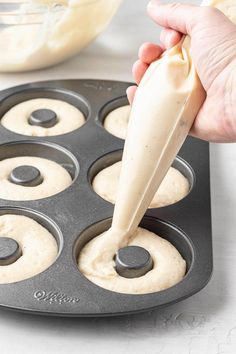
<point x="30" y="243"/>
<point x="35" y="170"/>
<point x="136" y="267"/>
<point x="114" y="117"/>
<point x="177" y="184"/>
<point x="40" y="113"/>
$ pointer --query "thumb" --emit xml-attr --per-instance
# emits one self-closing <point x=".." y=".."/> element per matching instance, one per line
<point x="180" y="17"/>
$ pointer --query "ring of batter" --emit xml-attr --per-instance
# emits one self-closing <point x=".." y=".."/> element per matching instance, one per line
<point x="38" y="246"/>
<point x="96" y="262"/>
<point x="173" y="188"/>
<point x="69" y="117"/>
<point x="116" y="122"/>
<point x="55" y="179"/>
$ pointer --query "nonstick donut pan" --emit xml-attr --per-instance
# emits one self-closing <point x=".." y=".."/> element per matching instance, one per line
<point x="77" y="214"/>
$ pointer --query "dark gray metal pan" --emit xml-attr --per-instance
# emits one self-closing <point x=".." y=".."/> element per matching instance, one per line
<point x="77" y="214"/>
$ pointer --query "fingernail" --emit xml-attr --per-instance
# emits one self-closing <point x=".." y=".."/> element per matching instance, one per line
<point x="152" y="4"/>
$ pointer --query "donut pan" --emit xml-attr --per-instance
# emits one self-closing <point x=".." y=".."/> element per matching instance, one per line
<point x="77" y="214"/>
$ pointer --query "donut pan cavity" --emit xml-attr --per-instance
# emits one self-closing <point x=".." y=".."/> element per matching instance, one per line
<point x="77" y="214"/>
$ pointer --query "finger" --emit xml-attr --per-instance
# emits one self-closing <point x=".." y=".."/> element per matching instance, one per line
<point x="177" y="16"/>
<point x="131" y="93"/>
<point x="185" y="18"/>
<point x="148" y="52"/>
<point x="139" y="68"/>
<point x="169" y="38"/>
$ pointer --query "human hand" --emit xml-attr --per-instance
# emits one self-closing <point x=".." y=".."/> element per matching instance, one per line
<point x="213" y="50"/>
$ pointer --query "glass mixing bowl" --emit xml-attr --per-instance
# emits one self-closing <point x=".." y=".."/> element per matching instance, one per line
<point x="35" y="35"/>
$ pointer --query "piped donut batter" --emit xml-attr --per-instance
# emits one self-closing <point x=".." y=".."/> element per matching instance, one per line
<point x="173" y="188"/>
<point x="55" y="179"/>
<point x="38" y="247"/>
<point x="68" y="119"/>
<point x="168" y="265"/>
<point x="116" y="122"/>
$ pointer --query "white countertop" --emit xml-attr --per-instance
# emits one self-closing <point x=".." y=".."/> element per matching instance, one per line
<point x="204" y="323"/>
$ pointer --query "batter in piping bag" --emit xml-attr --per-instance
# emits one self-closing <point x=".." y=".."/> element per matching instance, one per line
<point x="164" y="108"/>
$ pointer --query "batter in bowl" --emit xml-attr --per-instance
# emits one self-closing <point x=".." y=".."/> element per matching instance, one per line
<point x="58" y="34"/>
<point x="37" y="245"/>
<point x="168" y="266"/>
<point x="68" y="117"/>
<point x="173" y="188"/>
<point x="116" y="122"/>
<point x="54" y="179"/>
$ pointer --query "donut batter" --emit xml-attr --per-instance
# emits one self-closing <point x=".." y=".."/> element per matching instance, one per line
<point x="55" y="179"/>
<point x="38" y="246"/>
<point x="116" y="122"/>
<point x="69" y="117"/>
<point x="173" y="188"/>
<point x="168" y="266"/>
